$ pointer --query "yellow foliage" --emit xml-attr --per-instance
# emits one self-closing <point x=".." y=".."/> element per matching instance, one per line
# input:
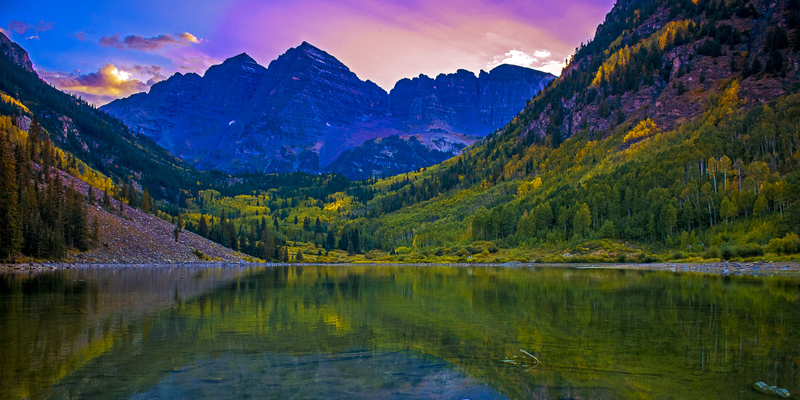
<point x="10" y="100"/>
<point x="528" y="187"/>
<point x="663" y="38"/>
<point x="642" y="130"/>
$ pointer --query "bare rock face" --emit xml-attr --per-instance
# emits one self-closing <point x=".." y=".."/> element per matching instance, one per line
<point x="504" y="92"/>
<point x="185" y="113"/>
<point x="304" y="94"/>
<point x="15" y="53"/>
<point x="307" y="108"/>
<point x="463" y="102"/>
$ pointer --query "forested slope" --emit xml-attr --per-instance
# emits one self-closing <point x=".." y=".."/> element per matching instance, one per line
<point x="673" y="132"/>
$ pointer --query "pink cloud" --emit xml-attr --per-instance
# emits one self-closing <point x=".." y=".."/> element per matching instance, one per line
<point x="21" y="27"/>
<point x="136" y="42"/>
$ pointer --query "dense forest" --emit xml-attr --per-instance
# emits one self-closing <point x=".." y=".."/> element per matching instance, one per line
<point x="41" y="217"/>
<point x="673" y="134"/>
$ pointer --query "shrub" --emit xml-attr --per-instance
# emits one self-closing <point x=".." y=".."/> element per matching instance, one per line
<point x="649" y="258"/>
<point x="678" y="255"/>
<point x="711" y="252"/>
<point x="402" y="250"/>
<point x="749" y="250"/>
<point x="473" y="249"/>
<point x="789" y="244"/>
<point x="726" y="252"/>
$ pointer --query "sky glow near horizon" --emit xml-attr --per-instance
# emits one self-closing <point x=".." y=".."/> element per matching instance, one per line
<point x="116" y="48"/>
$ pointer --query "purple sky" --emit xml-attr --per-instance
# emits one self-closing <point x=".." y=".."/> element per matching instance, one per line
<point x="115" y="48"/>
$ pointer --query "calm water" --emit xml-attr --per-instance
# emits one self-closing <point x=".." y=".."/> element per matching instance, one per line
<point x="395" y="332"/>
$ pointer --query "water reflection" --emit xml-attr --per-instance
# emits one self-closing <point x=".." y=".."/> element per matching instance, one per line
<point x="395" y="332"/>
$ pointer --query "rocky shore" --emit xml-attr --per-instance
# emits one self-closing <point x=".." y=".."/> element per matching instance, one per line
<point x="758" y="268"/>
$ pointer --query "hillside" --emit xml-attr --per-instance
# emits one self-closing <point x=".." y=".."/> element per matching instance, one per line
<point x="52" y="147"/>
<point x="634" y="149"/>
<point x="49" y="211"/>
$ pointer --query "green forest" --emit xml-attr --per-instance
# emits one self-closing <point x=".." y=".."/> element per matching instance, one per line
<point x="621" y="182"/>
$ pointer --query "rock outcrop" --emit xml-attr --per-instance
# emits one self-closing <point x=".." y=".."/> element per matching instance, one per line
<point x="15" y="53"/>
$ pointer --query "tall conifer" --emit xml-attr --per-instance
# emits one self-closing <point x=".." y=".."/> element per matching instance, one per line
<point x="10" y="227"/>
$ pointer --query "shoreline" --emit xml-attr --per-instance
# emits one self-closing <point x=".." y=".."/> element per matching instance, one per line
<point x="724" y="268"/>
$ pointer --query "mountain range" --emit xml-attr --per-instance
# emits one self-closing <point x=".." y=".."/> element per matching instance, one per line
<point x="306" y="110"/>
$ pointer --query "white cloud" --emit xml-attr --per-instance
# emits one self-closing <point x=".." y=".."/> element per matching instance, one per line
<point x="515" y="57"/>
<point x="541" y="54"/>
<point x="541" y="60"/>
<point x="554" y="67"/>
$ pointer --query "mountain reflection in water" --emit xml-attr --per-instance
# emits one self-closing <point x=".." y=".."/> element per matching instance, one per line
<point x="358" y="332"/>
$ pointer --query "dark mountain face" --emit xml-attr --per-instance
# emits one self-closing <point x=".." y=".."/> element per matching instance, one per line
<point x="464" y="102"/>
<point x="306" y="108"/>
<point x="15" y="53"/>
<point x="305" y="94"/>
<point x="387" y="156"/>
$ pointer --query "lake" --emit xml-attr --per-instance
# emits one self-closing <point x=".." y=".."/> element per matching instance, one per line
<point x="395" y="332"/>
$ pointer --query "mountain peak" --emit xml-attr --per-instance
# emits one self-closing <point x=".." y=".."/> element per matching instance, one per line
<point x="242" y="58"/>
<point x="15" y="53"/>
<point x="307" y="46"/>
<point x="310" y="50"/>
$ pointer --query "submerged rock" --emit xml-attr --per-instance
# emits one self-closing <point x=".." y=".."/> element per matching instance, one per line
<point x="771" y="390"/>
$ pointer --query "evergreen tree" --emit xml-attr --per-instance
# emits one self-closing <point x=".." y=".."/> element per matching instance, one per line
<point x="267" y="244"/>
<point x="95" y="231"/>
<point x="76" y="220"/>
<point x="11" y="232"/>
<point x="90" y="195"/>
<point x="146" y="201"/>
<point x="34" y="139"/>
<point x="202" y="226"/>
<point x="178" y="227"/>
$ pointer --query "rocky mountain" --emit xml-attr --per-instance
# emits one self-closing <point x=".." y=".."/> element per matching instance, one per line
<point x="307" y="108"/>
<point x="463" y="102"/>
<point x="16" y="54"/>
<point x="389" y="156"/>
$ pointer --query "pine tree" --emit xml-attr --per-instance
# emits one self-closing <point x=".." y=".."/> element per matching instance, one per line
<point x="299" y="255"/>
<point x="11" y="231"/>
<point x="267" y="244"/>
<point x="90" y="195"/>
<point x="34" y="139"/>
<point x="76" y="220"/>
<point x="202" y="227"/>
<point x="146" y="201"/>
<point x="178" y="228"/>
<point x="95" y="231"/>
